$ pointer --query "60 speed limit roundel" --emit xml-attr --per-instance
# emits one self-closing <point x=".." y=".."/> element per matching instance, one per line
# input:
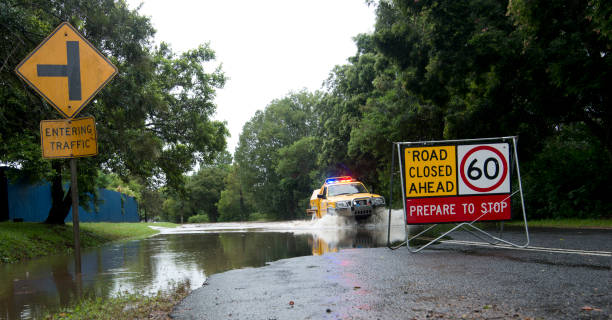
<point x="484" y="169"/>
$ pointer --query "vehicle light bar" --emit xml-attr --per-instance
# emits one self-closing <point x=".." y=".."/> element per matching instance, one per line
<point x="338" y="179"/>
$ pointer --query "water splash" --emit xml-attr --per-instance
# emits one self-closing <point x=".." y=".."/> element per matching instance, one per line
<point x="331" y="229"/>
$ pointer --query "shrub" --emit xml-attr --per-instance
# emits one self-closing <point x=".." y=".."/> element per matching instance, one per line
<point x="200" y="218"/>
<point x="569" y="178"/>
<point x="256" y="216"/>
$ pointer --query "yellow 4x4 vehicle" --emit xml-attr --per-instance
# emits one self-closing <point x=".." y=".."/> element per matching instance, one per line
<point x="344" y="196"/>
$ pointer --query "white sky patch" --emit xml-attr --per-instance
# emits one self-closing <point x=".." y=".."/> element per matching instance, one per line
<point x="267" y="48"/>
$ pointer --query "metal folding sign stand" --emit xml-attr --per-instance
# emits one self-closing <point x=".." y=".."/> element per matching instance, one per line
<point x="470" y="226"/>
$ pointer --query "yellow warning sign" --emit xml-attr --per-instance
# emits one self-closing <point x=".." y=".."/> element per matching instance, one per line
<point x="430" y="171"/>
<point x="67" y="70"/>
<point x="68" y="138"/>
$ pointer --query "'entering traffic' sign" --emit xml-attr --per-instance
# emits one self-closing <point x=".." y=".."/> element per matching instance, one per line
<point x="68" y="138"/>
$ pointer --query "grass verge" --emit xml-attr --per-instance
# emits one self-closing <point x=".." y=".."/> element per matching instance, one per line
<point x="127" y="306"/>
<point x="565" y="223"/>
<point x="26" y="240"/>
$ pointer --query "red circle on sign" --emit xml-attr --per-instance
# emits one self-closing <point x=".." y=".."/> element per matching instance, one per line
<point x="493" y="187"/>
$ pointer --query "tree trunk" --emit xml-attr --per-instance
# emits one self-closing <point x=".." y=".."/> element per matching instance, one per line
<point x="242" y="213"/>
<point x="60" y="203"/>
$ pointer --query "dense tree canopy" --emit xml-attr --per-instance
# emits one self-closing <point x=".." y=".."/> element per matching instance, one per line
<point x="430" y="70"/>
<point x="153" y="118"/>
<point x="268" y="143"/>
<point x="436" y="70"/>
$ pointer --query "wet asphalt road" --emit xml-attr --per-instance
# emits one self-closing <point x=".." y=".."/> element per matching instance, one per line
<point x="447" y="281"/>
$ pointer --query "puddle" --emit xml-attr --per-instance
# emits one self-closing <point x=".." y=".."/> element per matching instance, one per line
<point x="191" y="252"/>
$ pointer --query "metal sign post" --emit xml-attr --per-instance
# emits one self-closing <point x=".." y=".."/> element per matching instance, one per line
<point x="75" y="215"/>
<point x="68" y="71"/>
<point x="458" y="181"/>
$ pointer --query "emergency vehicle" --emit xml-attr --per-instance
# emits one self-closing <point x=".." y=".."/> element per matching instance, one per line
<point x="343" y="196"/>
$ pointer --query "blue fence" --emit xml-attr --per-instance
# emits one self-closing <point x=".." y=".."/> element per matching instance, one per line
<point x="32" y="203"/>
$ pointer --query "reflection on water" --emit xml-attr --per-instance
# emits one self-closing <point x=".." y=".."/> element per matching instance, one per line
<point x="192" y="252"/>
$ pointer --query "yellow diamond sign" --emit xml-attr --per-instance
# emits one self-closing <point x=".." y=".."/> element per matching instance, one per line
<point x="66" y="70"/>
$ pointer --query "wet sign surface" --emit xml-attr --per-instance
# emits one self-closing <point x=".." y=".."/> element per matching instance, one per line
<point x="430" y="171"/>
<point x="68" y="138"/>
<point x="66" y="70"/>
<point x="456" y="183"/>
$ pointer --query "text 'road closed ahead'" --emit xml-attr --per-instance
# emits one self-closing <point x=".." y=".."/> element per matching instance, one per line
<point x="430" y="171"/>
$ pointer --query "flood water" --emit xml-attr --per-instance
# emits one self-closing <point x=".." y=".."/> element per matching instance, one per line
<point x="189" y="252"/>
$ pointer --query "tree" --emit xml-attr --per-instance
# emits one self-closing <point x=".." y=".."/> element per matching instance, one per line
<point x="150" y="204"/>
<point x="571" y="43"/>
<point x="297" y="167"/>
<point x="569" y="177"/>
<point x="174" y="209"/>
<point x="153" y="119"/>
<point x="533" y="64"/>
<point x="204" y="191"/>
<point x="235" y="204"/>
<point x="349" y="87"/>
<point x="281" y="124"/>
<point x="494" y="68"/>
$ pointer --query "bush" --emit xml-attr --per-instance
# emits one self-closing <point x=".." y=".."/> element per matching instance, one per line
<point x="569" y="178"/>
<point x="256" y="216"/>
<point x="200" y="218"/>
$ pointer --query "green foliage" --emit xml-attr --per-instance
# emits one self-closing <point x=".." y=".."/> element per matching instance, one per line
<point x="110" y="231"/>
<point x="570" y="177"/>
<point x="24" y="240"/>
<point x="203" y="191"/>
<point x="199" y="196"/>
<point x="113" y="182"/>
<point x="565" y="223"/>
<point x="153" y="119"/>
<point x="127" y="305"/>
<point x="298" y="171"/>
<point x="235" y="202"/>
<point x="256" y="216"/>
<point x="174" y="210"/>
<point x="199" y="218"/>
<point x="270" y="145"/>
<point x="431" y="70"/>
<point x="436" y="70"/>
<point x="150" y="204"/>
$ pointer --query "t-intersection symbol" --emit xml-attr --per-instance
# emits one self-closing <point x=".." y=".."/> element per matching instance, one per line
<point x="72" y="70"/>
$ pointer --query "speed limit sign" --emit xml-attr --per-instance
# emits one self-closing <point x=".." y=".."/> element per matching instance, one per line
<point x="483" y="169"/>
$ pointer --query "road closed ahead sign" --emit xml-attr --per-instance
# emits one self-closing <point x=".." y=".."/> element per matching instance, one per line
<point x="457" y="183"/>
<point x="430" y="171"/>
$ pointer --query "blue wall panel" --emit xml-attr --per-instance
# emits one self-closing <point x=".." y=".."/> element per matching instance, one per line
<point x="32" y="203"/>
<point x="29" y="202"/>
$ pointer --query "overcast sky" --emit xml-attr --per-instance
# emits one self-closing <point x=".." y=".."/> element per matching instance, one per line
<point x="267" y="48"/>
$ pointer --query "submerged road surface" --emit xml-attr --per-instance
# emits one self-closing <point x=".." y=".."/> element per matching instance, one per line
<point x="448" y="281"/>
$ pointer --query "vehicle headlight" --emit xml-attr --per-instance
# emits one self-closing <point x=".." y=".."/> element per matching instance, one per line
<point x="343" y="204"/>
<point x="378" y="201"/>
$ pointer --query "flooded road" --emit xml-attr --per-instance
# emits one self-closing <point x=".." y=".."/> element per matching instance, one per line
<point x="193" y="252"/>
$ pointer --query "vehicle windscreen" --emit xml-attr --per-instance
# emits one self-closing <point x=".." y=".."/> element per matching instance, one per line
<point x="338" y="189"/>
